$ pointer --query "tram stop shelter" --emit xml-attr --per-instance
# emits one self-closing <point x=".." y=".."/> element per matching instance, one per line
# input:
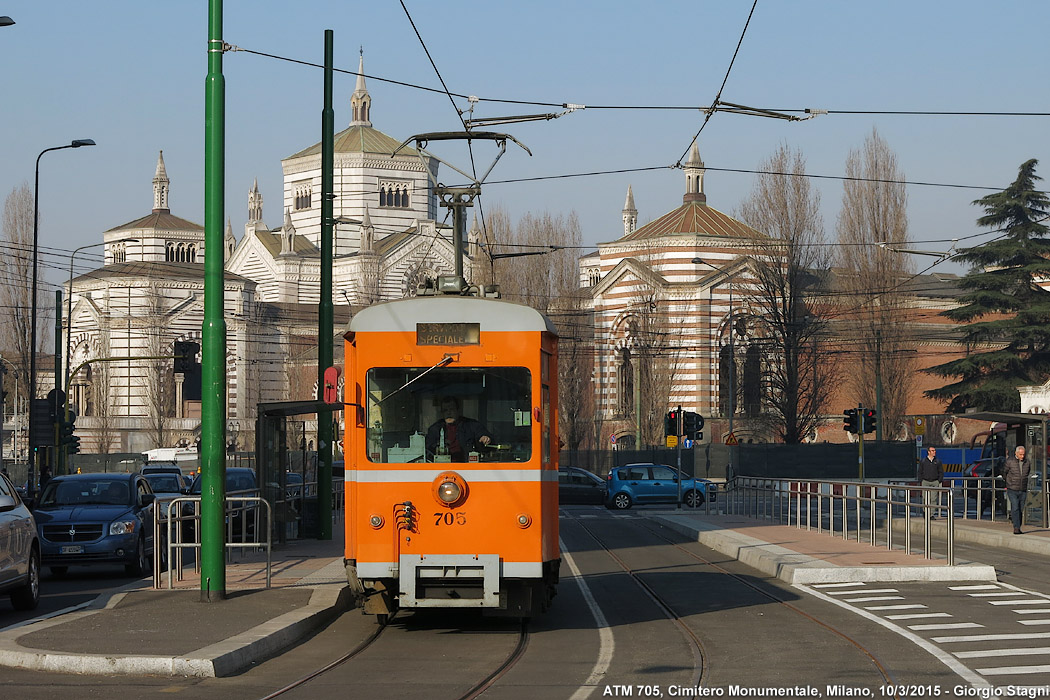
<point x="1029" y="429"/>
<point x="271" y="459"/>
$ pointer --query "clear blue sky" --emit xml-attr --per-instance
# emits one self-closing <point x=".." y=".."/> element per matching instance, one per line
<point x="130" y="75"/>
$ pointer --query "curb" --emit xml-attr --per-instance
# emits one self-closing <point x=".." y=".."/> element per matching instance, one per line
<point x="221" y="659"/>
<point x="795" y="568"/>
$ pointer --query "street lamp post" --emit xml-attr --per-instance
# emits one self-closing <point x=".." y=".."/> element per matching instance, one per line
<point x="32" y="323"/>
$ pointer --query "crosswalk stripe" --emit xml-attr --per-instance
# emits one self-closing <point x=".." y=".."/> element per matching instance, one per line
<point x="837" y="585"/>
<point x="1043" y="611"/>
<point x="980" y="587"/>
<point x="916" y="616"/>
<point x="946" y="626"/>
<point x="1037" y="601"/>
<point x="913" y="606"/>
<point x="1012" y="670"/>
<point x="984" y="653"/>
<point x="992" y="637"/>
<point x="1001" y="594"/>
<point x="873" y="598"/>
<point x="1034" y="622"/>
<point x="866" y="591"/>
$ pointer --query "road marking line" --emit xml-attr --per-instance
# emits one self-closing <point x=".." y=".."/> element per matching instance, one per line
<point x="916" y="616"/>
<point x="1001" y="594"/>
<point x="1017" y="602"/>
<point x="874" y="590"/>
<point x="872" y="599"/>
<point x="1034" y="651"/>
<point x="1044" y="611"/>
<point x="837" y="585"/>
<point x="947" y="626"/>
<point x="941" y="655"/>
<point x="981" y="587"/>
<point x="1034" y="622"/>
<point x="606" y="642"/>
<point x="992" y="637"/>
<point x="913" y="606"/>
<point x="1012" y="670"/>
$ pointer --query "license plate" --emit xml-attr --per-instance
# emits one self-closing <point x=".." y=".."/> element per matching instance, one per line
<point x="72" y="549"/>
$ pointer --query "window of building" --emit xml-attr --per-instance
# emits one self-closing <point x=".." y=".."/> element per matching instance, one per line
<point x="303" y="195"/>
<point x="119" y="252"/>
<point x="394" y="194"/>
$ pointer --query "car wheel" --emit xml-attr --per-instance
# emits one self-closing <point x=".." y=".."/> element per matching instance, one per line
<point x="28" y="596"/>
<point x="694" y="499"/>
<point x="141" y="566"/>
<point x="621" y="501"/>
<point x="58" y="571"/>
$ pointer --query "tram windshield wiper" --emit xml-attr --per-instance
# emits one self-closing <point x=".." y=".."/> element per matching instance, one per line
<point x="446" y="360"/>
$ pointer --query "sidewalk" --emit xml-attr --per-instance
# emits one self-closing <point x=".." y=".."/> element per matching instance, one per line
<point x="171" y="633"/>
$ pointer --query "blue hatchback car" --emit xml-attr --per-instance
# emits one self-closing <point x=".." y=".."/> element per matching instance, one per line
<point x="96" y="519"/>
<point x="655" y="483"/>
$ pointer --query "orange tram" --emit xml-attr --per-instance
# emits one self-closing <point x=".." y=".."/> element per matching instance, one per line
<point x="451" y="461"/>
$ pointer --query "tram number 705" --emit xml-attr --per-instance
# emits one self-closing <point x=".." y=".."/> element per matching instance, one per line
<point x="450" y="518"/>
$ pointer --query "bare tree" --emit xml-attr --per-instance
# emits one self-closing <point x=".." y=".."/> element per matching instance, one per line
<point x="872" y="222"/>
<point x="16" y="273"/>
<point x="158" y="380"/>
<point x="101" y="408"/>
<point x="788" y="268"/>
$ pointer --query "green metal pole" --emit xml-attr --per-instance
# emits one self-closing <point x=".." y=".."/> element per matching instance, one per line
<point x="325" y="312"/>
<point x="213" y="365"/>
<point x="61" y="405"/>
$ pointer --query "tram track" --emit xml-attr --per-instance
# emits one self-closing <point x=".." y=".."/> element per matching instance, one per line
<point x="887" y="676"/>
<point x="475" y="691"/>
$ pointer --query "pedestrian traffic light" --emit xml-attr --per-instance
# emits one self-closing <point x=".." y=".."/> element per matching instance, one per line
<point x="868" y="423"/>
<point x="692" y="424"/>
<point x="849" y="420"/>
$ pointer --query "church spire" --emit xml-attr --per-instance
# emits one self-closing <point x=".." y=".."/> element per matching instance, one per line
<point x="161" y="185"/>
<point x="255" y="203"/>
<point x="694" y="177"/>
<point x="361" y="101"/>
<point x="368" y="233"/>
<point x="630" y="213"/>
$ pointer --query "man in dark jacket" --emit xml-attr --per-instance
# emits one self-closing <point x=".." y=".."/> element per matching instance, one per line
<point x="458" y="435"/>
<point x="931" y="475"/>
<point x="1015" y="471"/>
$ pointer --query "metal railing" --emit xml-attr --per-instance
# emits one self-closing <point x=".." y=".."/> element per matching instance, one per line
<point x="977" y="494"/>
<point x="179" y="518"/>
<point x="848" y="509"/>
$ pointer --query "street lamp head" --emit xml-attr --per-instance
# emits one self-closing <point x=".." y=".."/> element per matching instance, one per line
<point x="6" y="21"/>
<point x="77" y="143"/>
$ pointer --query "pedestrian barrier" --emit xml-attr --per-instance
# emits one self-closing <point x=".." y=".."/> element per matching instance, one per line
<point x="180" y="519"/>
<point x="847" y="509"/>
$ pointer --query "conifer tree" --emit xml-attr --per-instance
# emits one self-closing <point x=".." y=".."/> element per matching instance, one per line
<point x="1006" y="309"/>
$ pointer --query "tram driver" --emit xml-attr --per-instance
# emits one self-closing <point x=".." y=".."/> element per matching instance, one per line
<point x="454" y="434"/>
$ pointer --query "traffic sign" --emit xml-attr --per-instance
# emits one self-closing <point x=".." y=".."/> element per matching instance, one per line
<point x="918" y="440"/>
<point x="612" y="439"/>
<point x="731" y="439"/>
<point x="920" y="426"/>
<point x="672" y="441"/>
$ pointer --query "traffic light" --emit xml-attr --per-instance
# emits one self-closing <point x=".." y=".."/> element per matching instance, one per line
<point x="671" y="423"/>
<point x="65" y="433"/>
<point x="74" y="445"/>
<point x="849" y="420"/>
<point x="42" y="430"/>
<point x="692" y="425"/>
<point x="186" y="364"/>
<point x="868" y="423"/>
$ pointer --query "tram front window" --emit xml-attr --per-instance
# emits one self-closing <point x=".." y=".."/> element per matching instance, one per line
<point x="420" y="414"/>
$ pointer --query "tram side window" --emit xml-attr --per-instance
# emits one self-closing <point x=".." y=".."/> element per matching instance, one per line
<point x="459" y="414"/>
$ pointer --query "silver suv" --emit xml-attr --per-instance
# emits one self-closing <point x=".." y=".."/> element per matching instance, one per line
<point x="19" y="549"/>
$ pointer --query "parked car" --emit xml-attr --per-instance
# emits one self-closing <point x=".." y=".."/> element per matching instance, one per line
<point x="88" y="519"/>
<point x="579" y="487"/>
<point x="166" y="468"/>
<point x="293" y="484"/>
<point x="19" y="549"/>
<point x="240" y="481"/>
<point x="655" y="483"/>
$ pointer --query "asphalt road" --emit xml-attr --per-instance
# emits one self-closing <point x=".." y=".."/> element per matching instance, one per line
<point x="750" y="631"/>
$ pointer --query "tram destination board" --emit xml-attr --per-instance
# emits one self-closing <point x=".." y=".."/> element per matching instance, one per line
<point x="448" y="333"/>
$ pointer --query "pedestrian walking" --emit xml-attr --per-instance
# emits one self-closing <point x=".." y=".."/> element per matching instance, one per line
<point x="931" y="474"/>
<point x="1015" y="471"/>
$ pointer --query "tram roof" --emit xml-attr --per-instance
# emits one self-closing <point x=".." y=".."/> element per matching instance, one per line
<point x="493" y="315"/>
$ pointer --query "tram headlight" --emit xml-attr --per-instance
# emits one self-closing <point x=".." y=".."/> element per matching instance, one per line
<point x="450" y="489"/>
